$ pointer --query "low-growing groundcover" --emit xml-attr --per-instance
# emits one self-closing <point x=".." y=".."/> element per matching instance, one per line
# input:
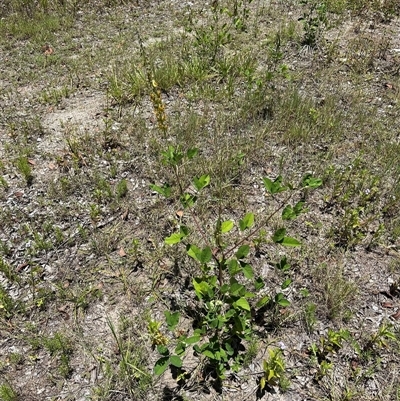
<point x="199" y="201"/>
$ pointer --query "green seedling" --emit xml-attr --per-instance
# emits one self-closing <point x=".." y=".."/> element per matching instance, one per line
<point x="274" y="370"/>
<point x="61" y="347"/>
<point x="328" y="346"/>
<point x="122" y="189"/>
<point x="381" y="337"/>
<point x="25" y="169"/>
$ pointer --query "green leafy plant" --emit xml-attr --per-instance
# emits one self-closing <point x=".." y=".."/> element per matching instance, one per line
<point x="157" y="338"/>
<point x="239" y="13"/>
<point x="60" y="346"/>
<point x="314" y="21"/>
<point x="356" y="192"/>
<point x="274" y="370"/>
<point x="381" y="337"/>
<point x="7" y="305"/>
<point x="228" y="292"/>
<point x="328" y="346"/>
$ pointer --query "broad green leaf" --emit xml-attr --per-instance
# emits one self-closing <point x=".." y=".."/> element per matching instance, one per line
<point x="243" y="304"/>
<point x="281" y="300"/>
<point x="248" y="271"/>
<point x="284" y="302"/>
<point x="279" y="235"/>
<point x="172" y="319"/>
<point x="243" y="251"/>
<point x="206" y="255"/>
<point x="192" y="340"/>
<point x="289" y="241"/>
<point x="192" y="153"/>
<point x="214" y="323"/>
<point x="268" y="184"/>
<point x="236" y="289"/>
<point x="262" y="302"/>
<point x="187" y="200"/>
<point x="202" y="256"/>
<point x="163" y="350"/>
<point x="309" y="181"/>
<point x="271" y="375"/>
<point x="262" y="383"/>
<point x="246" y="222"/>
<point x="201" y="182"/>
<point x="208" y="354"/>
<point x="174" y="238"/>
<point x="230" y="313"/>
<point x="279" y="238"/>
<point x="224" y="288"/>
<point x="165" y="190"/>
<point x="161" y="366"/>
<point x="239" y="324"/>
<point x="222" y="354"/>
<point x="201" y="287"/>
<point x="274" y="187"/>
<point x="233" y="267"/>
<point x="283" y="264"/>
<point x="194" y="252"/>
<point x="288" y="213"/>
<point x="299" y="208"/>
<point x="286" y="283"/>
<point x="226" y="226"/>
<point x="229" y="349"/>
<point x="184" y="230"/>
<point x="180" y="348"/>
<point x="176" y="361"/>
<point x="259" y="283"/>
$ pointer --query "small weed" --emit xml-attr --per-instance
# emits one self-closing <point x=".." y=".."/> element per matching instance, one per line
<point x="338" y="291"/>
<point x="3" y="183"/>
<point x="79" y="297"/>
<point x="8" y="271"/>
<point x="314" y="21"/>
<point x="156" y="336"/>
<point x="7" y="393"/>
<point x="310" y="318"/>
<point x="381" y="337"/>
<point x="328" y="346"/>
<point x="60" y="346"/>
<point x="25" y="169"/>
<point x="94" y="212"/>
<point x="103" y="192"/>
<point x="132" y="365"/>
<point x="122" y="189"/>
<point x="55" y="96"/>
<point x="7" y="305"/>
<point x="274" y="370"/>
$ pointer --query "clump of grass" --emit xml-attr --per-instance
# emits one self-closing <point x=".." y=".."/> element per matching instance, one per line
<point x="7" y="393"/>
<point x="25" y="169"/>
<point x="337" y="290"/>
<point x="60" y="346"/>
<point x="122" y="189"/>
